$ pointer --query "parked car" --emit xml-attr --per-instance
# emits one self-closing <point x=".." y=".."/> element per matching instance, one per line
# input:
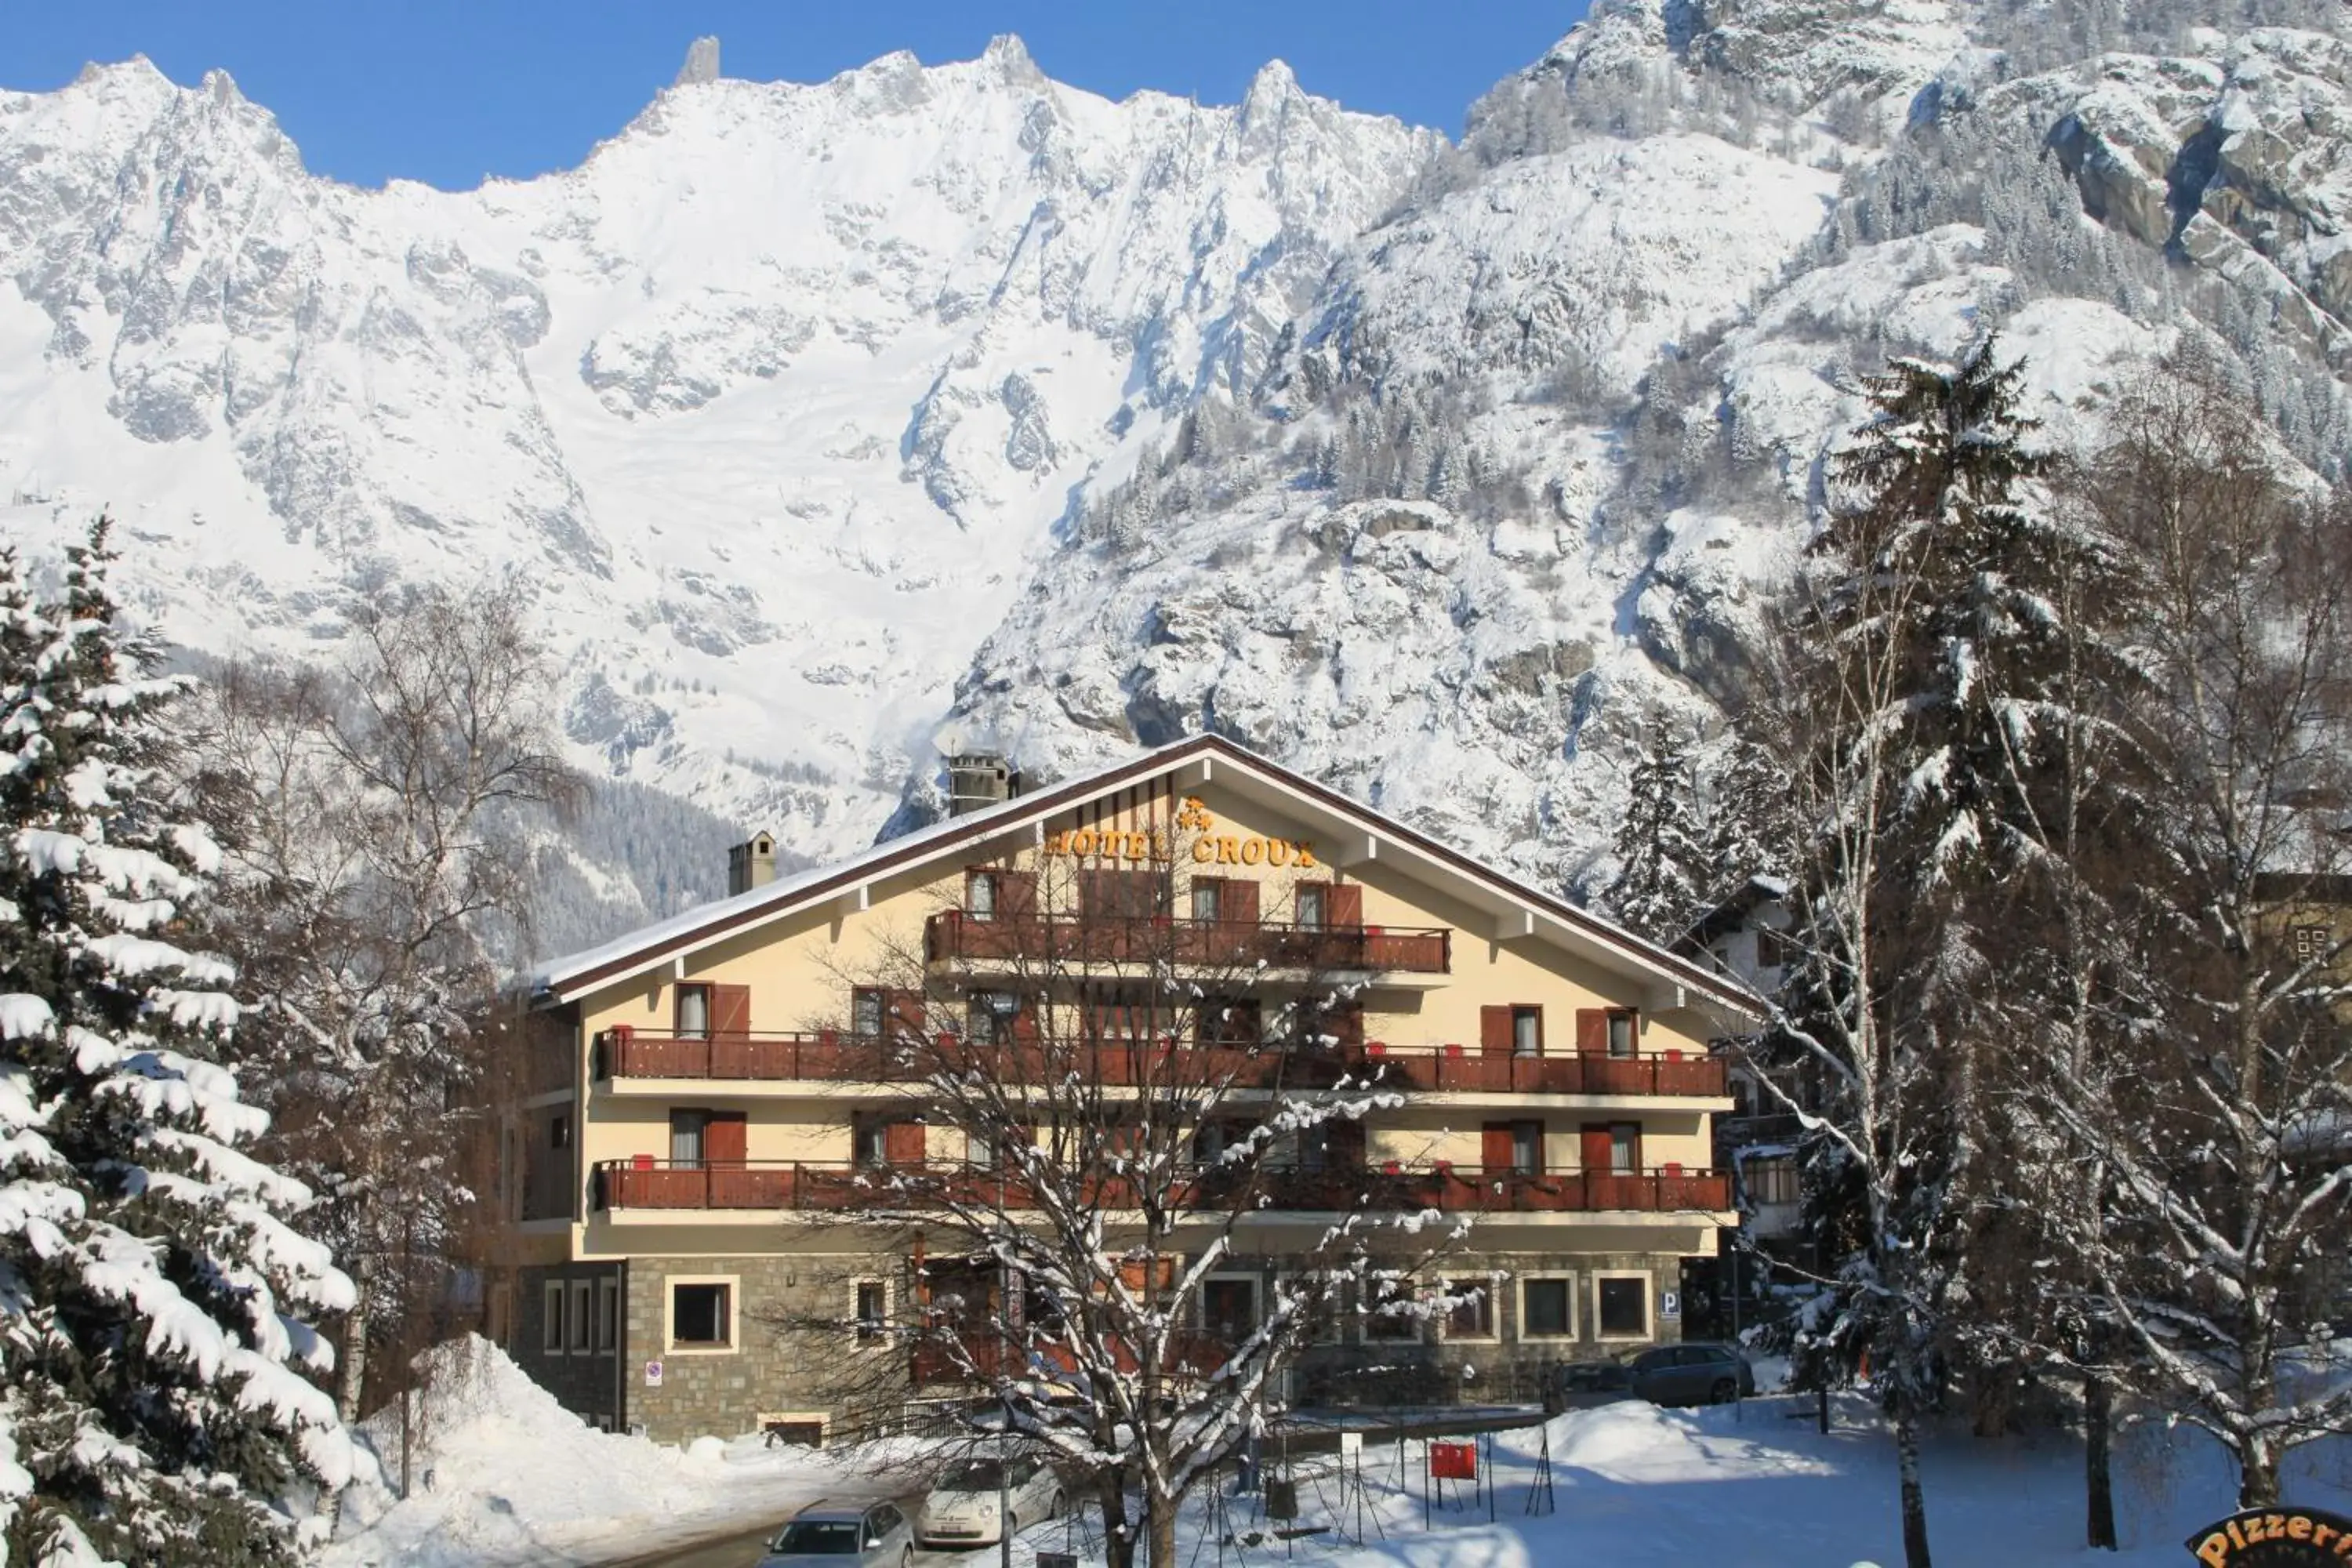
<point x="960" y="1509"/>
<point x="843" y="1535"/>
<point x="1695" y="1373"/>
<point x="1572" y="1384"/>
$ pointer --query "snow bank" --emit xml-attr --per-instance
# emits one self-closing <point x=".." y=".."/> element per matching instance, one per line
<point x="504" y="1475"/>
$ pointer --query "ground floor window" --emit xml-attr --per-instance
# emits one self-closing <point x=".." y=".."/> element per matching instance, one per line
<point x="580" y="1327"/>
<point x="1388" y="1314"/>
<point x="1471" y="1316"/>
<point x="608" y="1314"/>
<point x="1624" y="1301"/>
<point x="701" y="1314"/>
<point x="1229" y="1307"/>
<point x="550" y="1318"/>
<point x="1547" y="1308"/>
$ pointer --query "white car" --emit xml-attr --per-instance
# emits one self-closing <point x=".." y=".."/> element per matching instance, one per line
<point x="960" y="1509"/>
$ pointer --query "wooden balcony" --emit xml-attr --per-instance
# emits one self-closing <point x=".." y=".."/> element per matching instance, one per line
<point x="957" y="936"/>
<point x="798" y="1187"/>
<point x="828" y="1055"/>
<point x="1456" y="1070"/>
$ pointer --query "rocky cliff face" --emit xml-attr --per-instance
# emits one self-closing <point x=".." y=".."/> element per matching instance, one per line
<point x="822" y="422"/>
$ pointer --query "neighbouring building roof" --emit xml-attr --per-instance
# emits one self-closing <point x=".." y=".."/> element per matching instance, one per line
<point x="1519" y="909"/>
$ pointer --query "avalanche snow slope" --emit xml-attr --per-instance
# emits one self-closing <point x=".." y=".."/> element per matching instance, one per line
<point x="1546" y="441"/>
<point x="763" y="407"/>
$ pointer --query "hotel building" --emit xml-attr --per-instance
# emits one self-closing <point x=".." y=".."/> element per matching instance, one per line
<point x="702" y="1092"/>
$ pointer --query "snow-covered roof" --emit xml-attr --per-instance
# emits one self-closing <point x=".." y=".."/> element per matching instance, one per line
<point x="1519" y="910"/>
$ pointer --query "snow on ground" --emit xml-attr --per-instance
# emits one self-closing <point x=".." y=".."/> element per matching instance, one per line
<point x="504" y="1475"/>
<point x="508" y="1478"/>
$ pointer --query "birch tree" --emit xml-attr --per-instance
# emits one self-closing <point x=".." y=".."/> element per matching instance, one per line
<point x="2220" y="1120"/>
<point x="375" y="855"/>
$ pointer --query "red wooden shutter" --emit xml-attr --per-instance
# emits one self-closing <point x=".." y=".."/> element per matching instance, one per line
<point x="902" y="1011"/>
<point x="1591" y="1032"/>
<point x="1593" y="1146"/>
<point x="1343" y="906"/>
<point x="730" y="1013"/>
<point x="1016" y="895"/>
<point x="902" y="1143"/>
<point x="723" y="1138"/>
<point x="1494" y="1146"/>
<point x="1495" y="1031"/>
<point x="1237" y="903"/>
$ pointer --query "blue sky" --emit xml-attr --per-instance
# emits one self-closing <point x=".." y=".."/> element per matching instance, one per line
<point x="449" y="91"/>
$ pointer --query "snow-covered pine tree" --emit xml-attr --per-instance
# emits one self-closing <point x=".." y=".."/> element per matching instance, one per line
<point x="1748" y="829"/>
<point x="154" y="1406"/>
<point x="1916" y="661"/>
<point x="1662" y="878"/>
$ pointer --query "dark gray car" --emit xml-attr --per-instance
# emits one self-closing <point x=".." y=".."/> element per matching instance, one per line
<point x="1698" y="1373"/>
<point x="843" y="1535"/>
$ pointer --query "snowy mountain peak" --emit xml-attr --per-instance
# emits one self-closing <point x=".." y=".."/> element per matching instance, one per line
<point x="701" y="63"/>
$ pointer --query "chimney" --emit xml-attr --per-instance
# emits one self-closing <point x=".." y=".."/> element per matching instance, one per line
<point x="978" y="780"/>
<point x="751" y="864"/>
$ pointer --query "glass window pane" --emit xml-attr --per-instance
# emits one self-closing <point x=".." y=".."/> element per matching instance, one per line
<point x="865" y="1014"/>
<point x="1624" y="1306"/>
<point x="1527" y="1147"/>
<point x="982" y="899"/>
<point x="1624" y="1146"/>
<point x="1310" y="906"/>
<point x="1526" y="1031"/>
<point x="1621" y="1035"/>
<point x="686" y="1137"/>
<point x="693" y="1011"/>
<point x="1205" y="900"/>
<point x="1543" y="1307"/>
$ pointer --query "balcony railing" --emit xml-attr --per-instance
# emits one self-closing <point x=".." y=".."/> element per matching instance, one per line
<point x="958" y="935"/>
<point x="828" y="1055"/>
<point x="1591" y="1072"/>
<point x="801" y="1187"/>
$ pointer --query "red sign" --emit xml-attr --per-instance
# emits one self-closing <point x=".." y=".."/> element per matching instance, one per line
<point x="1453" y="1461"/>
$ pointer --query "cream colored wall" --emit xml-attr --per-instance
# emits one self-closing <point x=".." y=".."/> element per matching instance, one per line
<point x="800" y="973"/>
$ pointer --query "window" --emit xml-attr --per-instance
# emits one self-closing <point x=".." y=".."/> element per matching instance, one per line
<point x="1207" y="894"/>
<point x="979" y="895"/>
<point x="1772" y="947"/>
<point x="1527" y="1148"/>
<point x="1620" y="1033"/>
<point x="701" y="1314"/>
<point x="2310" y="943"/>
<point x="1526" y="1031"/>
<point x="865" y="1011"/>
<point x="1229" y="1307"/>
<point x="686" y="1136"/>
<point x="608" y="1315"/>
<point x="873" y="1308"/>
<point x="1388" y="1316"/>
<point x="1313" y="905"/>
<point x="582" y="1329"/>
<point x="1231" y="1021"/>
<point x="559" y="1131"/>
<point x="1625" y="1147"/>
<point x="1624" y="1303"/>
<point x="1319" y="1298"/>
<point x="1546" y="1308"/>
<point x="1472" y="1313"/>
<point x="990" y="1017"/>
<point x="1775" y="1180"/>
<point x="693" y="1011"/>
<point x="551" y="1315"/>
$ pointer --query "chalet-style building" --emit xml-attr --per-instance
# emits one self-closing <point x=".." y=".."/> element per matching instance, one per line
<point x="702" y="1098"/>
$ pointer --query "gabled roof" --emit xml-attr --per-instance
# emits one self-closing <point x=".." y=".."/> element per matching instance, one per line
<point x="1519" y="909"/>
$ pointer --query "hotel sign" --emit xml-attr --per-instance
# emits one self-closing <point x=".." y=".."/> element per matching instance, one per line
<point x="1194" y="822"/>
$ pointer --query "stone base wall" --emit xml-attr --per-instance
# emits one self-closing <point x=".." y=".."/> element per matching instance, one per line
<point x="584" y="1379"/>
<point x="781" y="1363"/>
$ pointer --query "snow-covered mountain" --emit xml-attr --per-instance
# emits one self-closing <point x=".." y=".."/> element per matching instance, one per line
<point x="821" y="422"/>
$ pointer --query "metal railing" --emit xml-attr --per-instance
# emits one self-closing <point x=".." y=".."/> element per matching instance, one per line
<point x="804" y="1187"/>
